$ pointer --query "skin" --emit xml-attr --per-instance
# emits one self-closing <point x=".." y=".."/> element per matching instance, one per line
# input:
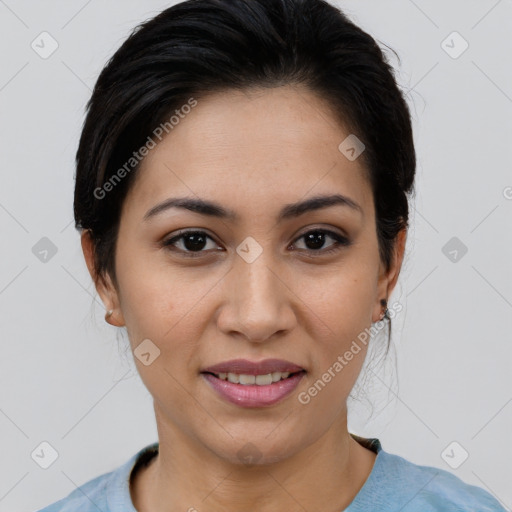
<point x="253" y="152"/>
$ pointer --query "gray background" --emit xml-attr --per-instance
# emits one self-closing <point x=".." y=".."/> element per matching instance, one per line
<point x="65" y="377"/>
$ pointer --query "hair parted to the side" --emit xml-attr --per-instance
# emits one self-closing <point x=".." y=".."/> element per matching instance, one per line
<point x="201" y="46"/>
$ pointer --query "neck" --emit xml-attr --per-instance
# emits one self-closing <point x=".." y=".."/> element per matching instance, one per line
<point x="185" y="475"/>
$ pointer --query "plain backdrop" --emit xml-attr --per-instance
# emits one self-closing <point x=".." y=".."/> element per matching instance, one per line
<point x="65" y="376"/>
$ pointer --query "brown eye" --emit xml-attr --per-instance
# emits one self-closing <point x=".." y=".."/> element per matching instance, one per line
<point x="191" y="242"/>
<point x="315" y="239"/>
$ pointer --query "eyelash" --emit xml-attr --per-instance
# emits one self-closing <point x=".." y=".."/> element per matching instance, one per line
<point x="340" y="243"/>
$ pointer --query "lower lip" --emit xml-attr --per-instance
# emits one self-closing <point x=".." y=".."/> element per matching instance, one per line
<point x="252" y="395"/>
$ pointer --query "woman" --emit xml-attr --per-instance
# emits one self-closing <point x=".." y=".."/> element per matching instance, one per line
<point x="242" y="192"/>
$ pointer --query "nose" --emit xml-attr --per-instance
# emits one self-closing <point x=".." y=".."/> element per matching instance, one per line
<point x="258" y="301"/>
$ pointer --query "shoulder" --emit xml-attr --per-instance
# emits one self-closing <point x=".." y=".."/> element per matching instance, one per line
<point x="427" y="488"/>
<point x="89" y="497"/>
<point x="109" y="492"/>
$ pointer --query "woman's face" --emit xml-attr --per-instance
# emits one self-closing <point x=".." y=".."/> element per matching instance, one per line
<point x="270" y="282"/>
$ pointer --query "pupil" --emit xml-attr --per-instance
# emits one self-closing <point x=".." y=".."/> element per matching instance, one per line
<point x="198" y="241"/>
<point x="315" y="238"/>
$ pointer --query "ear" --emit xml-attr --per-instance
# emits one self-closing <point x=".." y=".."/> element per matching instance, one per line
<point x="388" y="278"/>
<point x="104" y="286"/>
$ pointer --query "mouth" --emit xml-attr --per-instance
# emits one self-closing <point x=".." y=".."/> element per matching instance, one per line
<point x="258" y="380"/>
<point x="254" y="384"/>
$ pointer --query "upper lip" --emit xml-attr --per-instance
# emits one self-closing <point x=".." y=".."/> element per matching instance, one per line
<point x="246" y="367"/>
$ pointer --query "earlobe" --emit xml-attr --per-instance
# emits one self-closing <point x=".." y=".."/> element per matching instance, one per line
<point x="389" y="278"/>
<point x="103" y="285"/>
<point x="112" y="319"/>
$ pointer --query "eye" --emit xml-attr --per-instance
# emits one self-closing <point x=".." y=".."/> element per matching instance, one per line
<point x="316" y="238"/>
<point x="192" y="243"/>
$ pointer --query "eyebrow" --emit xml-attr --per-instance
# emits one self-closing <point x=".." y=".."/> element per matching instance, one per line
<point x="212" y="209"/>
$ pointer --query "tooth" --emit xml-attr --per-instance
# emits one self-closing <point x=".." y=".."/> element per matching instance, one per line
<point x="284" y="375"/>
<point x="264" y="380"/>
<point x="276" y="376"/>
<point x="223" y="376"/>
<point x="247" y="379"/>
<point x="233" y="377"/>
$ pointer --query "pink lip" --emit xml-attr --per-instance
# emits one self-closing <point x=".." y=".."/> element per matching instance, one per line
<point x="253" y="395"/>
<point x="253" y="367"/>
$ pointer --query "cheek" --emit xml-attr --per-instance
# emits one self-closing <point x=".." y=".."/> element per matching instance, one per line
<point x="340" y="306"/>
<point x="341" y="297"/>
<point x="158" y="305"/>
<point x="167" y="305"/>
<point x="156" y="298"/>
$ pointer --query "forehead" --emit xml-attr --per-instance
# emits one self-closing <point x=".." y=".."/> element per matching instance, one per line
<point x="264" y="146"/>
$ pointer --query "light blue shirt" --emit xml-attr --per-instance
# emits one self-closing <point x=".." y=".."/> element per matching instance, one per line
<point x="394" y="485"/>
